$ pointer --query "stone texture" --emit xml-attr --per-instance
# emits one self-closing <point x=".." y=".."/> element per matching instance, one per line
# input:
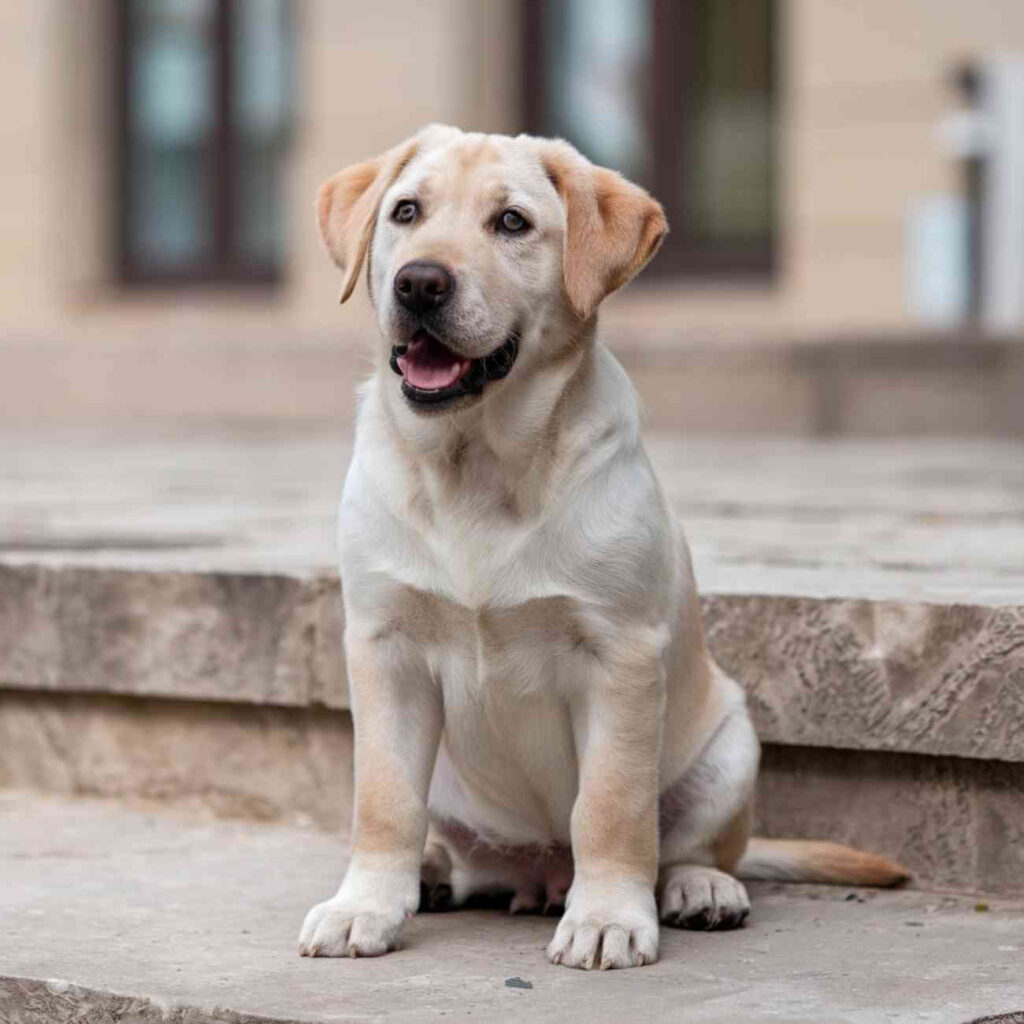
<point x="877" y="675"/>
<point x="839" y="673"/>
<point x="114" y="911"/>
<point x="956" y="822"/>
<point x="265" y="639"/>
<point x="33" y="1001"/>
<point x="870" y="595"/>
<point x="236" y="761"/>
<point x="925" y="521"/>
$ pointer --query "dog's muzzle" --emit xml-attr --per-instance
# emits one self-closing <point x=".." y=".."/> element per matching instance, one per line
<point x="426" y="360"/>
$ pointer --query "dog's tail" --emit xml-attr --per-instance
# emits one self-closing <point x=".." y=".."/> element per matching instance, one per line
<point x="800" y="860"/>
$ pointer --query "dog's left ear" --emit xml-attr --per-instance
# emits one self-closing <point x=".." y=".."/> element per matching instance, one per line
<point x="613" y="227"/>
<point x="347" y="205"/>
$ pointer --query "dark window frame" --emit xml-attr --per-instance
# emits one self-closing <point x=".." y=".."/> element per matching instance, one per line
<point x="221" y="267"/>
<point x="670" y="100"/>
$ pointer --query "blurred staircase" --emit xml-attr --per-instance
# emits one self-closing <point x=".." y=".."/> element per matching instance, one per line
<point x="196" y="373"/>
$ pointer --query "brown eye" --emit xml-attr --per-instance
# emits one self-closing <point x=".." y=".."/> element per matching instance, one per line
<point x="406" y="211"/>
<point x="512" y="223"/>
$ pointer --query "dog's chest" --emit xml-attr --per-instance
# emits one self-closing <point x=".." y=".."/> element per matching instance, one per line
<point x="492" y="652"/>
<point x="508" y="761"/>
<point x="487" y="603"/>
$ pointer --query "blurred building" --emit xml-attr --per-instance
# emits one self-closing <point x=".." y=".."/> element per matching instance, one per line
<point x="159" y="255"/>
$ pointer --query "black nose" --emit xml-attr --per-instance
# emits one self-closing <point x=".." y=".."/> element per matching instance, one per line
<point x="422" y="286"/>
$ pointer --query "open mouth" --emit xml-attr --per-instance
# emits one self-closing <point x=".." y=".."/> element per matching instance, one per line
<point x="432" y="373"/>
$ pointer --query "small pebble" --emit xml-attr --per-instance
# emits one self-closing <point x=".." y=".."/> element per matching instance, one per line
<point x="517" y="983"/>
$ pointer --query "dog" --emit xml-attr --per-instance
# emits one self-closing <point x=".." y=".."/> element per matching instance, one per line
<point x="536" y="710"/>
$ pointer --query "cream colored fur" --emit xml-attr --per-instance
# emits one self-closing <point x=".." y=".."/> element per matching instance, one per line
<point x="525" y="651"/>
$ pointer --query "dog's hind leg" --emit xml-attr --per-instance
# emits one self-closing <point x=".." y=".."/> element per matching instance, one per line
<point x="435" y="875"/>
<point x="458" y="866"/>
<point x="696" y="893"/>
<point x="705" y="819"/>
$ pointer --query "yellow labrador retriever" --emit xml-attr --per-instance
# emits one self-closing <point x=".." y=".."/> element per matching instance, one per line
<point x="536" y="711"/>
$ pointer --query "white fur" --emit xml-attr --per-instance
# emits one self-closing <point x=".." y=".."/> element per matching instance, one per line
<point x="552" y="500"/>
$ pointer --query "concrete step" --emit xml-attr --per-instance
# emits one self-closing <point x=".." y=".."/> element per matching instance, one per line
<point x="201" y="370"/>
<point x="133" y="913"/>
<point x="170" y="627"/>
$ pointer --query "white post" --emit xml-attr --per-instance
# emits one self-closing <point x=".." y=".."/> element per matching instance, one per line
<point x="1002" y="230"/>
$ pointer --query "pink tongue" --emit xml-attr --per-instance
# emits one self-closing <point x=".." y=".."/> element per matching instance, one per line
<point x="428" y="365"/>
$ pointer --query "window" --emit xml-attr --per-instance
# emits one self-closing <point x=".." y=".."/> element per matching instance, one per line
<point x="205" y="106"/>
<point x="678" y="95"/>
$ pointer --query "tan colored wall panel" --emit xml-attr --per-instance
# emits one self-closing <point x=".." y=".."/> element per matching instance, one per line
<point x="864" y="85"/>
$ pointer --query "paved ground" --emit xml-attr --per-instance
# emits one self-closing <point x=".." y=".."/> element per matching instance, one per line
<point x="135" y="912"/>
<point x="920" y="520"/>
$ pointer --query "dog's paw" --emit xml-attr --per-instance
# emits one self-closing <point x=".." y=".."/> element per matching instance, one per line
<point x="337" y="928"/>
<point x="364" y="918"/>
<point x="606" y="926"/>
<point x="702" y="898"/>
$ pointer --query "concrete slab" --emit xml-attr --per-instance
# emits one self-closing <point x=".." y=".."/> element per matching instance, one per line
<point x="121" y="913"/>
<point x="869" y="595"/>
<point x="957" y="823"/>
<point x="932" y="521"/>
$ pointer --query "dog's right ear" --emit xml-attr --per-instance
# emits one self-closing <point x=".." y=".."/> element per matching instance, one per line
<point x="347" y="205"/>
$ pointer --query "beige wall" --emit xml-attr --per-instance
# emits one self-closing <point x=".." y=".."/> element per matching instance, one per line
<point x="865" y="83"/>
<point x="868" y="83"/>
<point x="29" y="142"/>
<point x="368" y="75"/>
<point x="372" y="74"/>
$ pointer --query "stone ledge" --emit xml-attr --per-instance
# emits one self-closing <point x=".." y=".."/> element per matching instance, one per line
<point x="236" y="761"/>
<point x="877" y="675"/>
<point x="957" y="823"/>
<point x="249" y="637"/>
<point x="56" y="1001"/>
<point x="843" y="673"/>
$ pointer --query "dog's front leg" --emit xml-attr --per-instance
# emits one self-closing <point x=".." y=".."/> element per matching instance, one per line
<point x="610" y="917"/>
<point x="398" y="719"/>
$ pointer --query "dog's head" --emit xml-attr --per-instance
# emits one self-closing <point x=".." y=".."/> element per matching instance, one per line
<point x="477" y="245"/>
